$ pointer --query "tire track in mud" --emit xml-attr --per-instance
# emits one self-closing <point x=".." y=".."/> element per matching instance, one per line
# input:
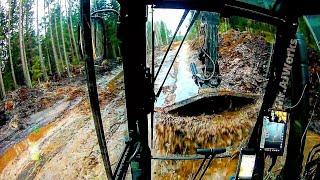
<point x="69" y="148"/>
<point x="42" y="118"/>
<point x="61" y="139"/>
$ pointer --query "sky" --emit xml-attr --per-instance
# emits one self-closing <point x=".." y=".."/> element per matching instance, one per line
<point x="171" y="17"/>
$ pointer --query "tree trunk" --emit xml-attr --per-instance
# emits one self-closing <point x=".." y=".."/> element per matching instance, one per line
<point x="94" y="51"/>
<point x="64" y="44"/>
<point x="94" y="29"/>
<point x="3" y="92"/>
<point x="114" y="51"/>
<point x="105" y="41"/>
<point x="53" y="47"/>
<point x="119" y="51"/>
<point x="22" y="48"/>
<point x="49" y="62"/>
<point x="11" y="64"/>
<point x="93" y="34"/>
<point x="45" y="32"/>
<point x="25" y="26"/>
<point x="58" y="42"/>
<point x="72" y="33"/>
<point x="69" y="31"/>
<point x="9" y="49"/>
<point x="71" y="42"/>
<point x="43" y="67"/>
<point x="158" y="35"/>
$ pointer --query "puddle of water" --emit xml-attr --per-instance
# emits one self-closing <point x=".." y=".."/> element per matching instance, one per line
<point x="160" y="100"/>
<point x="186" y="87"/>
<point x="170" y="81"/>
<point x="28" y="143"/>
<point x="179" y="82"/>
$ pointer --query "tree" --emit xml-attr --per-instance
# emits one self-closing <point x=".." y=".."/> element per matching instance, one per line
<point x="56" y="60"/>
<point x="163" y="32"/>
<point x="43" y="68"/>
<point x="9" y="45"/>
<point x="72" y="32"/>
<point x="57" y="35"/>
<point x="2" y="48"/>
<point x="22" y="48"/>
<point x="149" y="35"/>
<point x="3" y="92"/>
<point x="63" y="43"/>
<point x="45" y="35"/>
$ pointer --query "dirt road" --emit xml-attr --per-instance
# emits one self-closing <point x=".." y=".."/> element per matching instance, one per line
<point x="67" y="146"/>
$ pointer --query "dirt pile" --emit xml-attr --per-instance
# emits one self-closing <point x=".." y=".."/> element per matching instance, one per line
<point x="24" y="102"/>
<point x="243" y="61"/>
<point x="182" y="135"/>
<point x="197" y="43"/>
<point x="314" y="70"/>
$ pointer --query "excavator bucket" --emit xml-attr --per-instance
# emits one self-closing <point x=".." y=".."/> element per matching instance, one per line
<point x="210" y="101"/>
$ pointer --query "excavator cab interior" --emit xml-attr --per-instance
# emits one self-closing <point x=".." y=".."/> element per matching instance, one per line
<point x="273" y="145"/>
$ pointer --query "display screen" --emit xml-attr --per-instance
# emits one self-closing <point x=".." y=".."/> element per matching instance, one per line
<point x="246" y="166"/>
<point x="273" y="132"/>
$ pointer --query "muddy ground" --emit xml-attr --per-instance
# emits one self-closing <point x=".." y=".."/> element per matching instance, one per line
<point x="66" y="146"/>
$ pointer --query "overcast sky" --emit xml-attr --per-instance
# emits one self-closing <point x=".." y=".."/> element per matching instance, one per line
<point x="171" y="17"/>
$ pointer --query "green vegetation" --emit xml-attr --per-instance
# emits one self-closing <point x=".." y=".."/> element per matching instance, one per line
<point x="39" y="48"/>
<point x="243" y="24"/>
<point x="162" y="35"/>
<point x="304" y="29"/>
<point x="42" y="46"/>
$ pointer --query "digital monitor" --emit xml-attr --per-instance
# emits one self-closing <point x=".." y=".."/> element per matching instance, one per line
<point x="273" y="132"/>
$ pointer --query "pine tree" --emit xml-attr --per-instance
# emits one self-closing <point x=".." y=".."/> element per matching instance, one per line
<point x="22" y="48"/>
